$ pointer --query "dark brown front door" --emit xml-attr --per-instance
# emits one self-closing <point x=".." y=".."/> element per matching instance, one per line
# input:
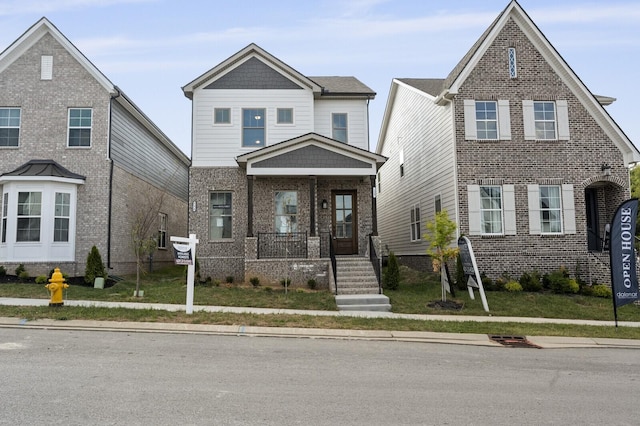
<point x="345" y="222"/>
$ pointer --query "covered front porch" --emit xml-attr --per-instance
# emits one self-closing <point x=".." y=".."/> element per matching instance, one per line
<point x="309" y="199"/>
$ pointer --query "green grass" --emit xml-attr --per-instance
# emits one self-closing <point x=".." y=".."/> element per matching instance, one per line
<point x="415" y="292"/>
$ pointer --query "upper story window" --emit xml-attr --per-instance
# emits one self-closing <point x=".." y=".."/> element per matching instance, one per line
<point x="487" y="119"/>
<point x="513" y="70"/>
<point x="220" y="215"/>
<point x="29" y="212"/>
<point x="545" y="120"/>
<point x="339" y="127"/>
<point x="5" y="209"/>
<point x="437" y="204"/>
<point x="62" y="213"/>
<point x="222" y="116"/>
<point x="253" y="127"/>
<point x="286" y="211"/>
<point x="415" y="223"/>
<point x="162" y="230"/>
<point x="80" y="120"/>
<point x="46" y="67"/>
<point x="491" y="209"/>
<point x="285" y="116"/>
<point x="9" y="126"/>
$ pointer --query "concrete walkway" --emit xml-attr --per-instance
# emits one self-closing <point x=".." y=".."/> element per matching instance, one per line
<point x="240" y="330"/>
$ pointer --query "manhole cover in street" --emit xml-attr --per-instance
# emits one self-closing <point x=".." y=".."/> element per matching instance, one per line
<point x="513" y="341"/>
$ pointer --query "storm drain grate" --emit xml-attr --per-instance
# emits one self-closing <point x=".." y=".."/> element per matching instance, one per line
<point x="514" y="341"/>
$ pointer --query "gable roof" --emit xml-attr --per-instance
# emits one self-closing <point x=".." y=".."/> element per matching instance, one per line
<point x="320" y="86"/>
<point x="43" y="27"/>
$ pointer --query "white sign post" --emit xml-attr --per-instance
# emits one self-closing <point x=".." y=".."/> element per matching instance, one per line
<point x="191" y="267"/>
<point x="471" y="270"/>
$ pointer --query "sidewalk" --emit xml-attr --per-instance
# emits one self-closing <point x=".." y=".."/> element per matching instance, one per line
<point x="451" y="338"/>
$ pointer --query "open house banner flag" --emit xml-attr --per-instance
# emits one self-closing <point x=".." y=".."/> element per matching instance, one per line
<point x="624" y="282"/>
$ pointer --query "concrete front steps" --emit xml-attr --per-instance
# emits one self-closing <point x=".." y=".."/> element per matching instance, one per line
<point x="358" y="286"/>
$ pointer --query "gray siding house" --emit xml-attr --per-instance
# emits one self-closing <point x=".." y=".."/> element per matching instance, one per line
<point x="518" y="151"/>
<point x="281" y="170"/>
<point x="77" y="160"/>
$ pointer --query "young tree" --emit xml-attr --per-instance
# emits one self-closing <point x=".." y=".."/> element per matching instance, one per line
<point x="94" y="267"/>
<point x="440" y="235"/>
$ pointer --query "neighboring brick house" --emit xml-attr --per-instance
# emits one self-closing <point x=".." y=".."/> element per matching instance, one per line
<point x="280" y="162"/>
<point x="522" y="156"/>
<point x="77" y="160"/>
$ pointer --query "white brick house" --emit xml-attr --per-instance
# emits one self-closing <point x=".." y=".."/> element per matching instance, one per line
<point x="523" y="157"/>
<point x="75" y="155"/>
<point x="280" y="164"/>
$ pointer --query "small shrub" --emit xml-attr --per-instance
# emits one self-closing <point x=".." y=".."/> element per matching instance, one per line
<point x="299" y="290"/>
<point x="268" y="289"/>
<point x="20" y="269"/>
<point x="560" y="283"/>
<point x="207" y="282"/>
<point x="501" y="281"/>
<point x="601" y="290"/>
<point x="285" y="282"/>
<point x="391" y="279"/>
<point x="487" y="283"/>
<point x="586" y="290"/>
<point x="23" y="276"/>
<point x="229" y="279"/>
<point x="255" y="281"/>
<point x="513" y="286"/>
<point x="94" y="267"/>
<point x="3" y="271"/>
<point x="216" y="283"/>
<point x="574" y="287"/>
<point x="312" y="284"/>
<point x="41" y="279"/>
<point x="530" y="281"/>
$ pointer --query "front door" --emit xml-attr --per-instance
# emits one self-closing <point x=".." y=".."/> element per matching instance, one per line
<point x="345" y="222"/>
<point x="591" y="203"/>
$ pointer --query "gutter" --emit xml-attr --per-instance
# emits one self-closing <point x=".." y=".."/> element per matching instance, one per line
<point x="109" y="218"/>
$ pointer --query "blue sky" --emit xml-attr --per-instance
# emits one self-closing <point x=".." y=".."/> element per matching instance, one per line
<point x="151" y="48"/>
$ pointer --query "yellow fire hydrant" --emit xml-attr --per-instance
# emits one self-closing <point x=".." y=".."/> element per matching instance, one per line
<point x="55" y="286"/>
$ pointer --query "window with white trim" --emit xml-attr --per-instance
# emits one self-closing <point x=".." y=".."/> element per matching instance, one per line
<point x="487" y="120"/>
<point x="80" y="120"/>
<point x="513" y="70"/>
<point x="9" y="126"/>
<point x="162" y="230"/>
<point x="61" y="215"/>
<point x="551" y="209"/>
<point x="220" y="215"/>
<point x="491" y="209"/>
<point x="339" y="129"/>
<point x="286" y="203"/>
<point x="415" y="223"/>
<point x="284" y="116"/>
<point x="5" y="209"/>
<point x="46" y="67"/>
<point x="29" y="216"/>
<point x="437" y="204"/>
<point x="545" y="120"/>
<point x="222" y="116"/>
<point x="253" y="127"/>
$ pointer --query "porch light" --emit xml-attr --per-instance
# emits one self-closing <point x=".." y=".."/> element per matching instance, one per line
<point x="324" y="204"/>
<point x="606" y="169"/>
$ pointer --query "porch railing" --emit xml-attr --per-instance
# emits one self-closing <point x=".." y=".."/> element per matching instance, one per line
<point x="375" y="262"/>
<point x="275" y="245"/>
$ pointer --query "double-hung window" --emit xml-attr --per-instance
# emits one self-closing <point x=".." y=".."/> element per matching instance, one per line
<point x="62" y="213"/>
<point x="415" y="223"/>
<point x="222" y="116"/>
<point x="284" y="116"/>
<point x="487" y="120"/>
<point x="339" y="129"/>
<point x="80" y="120"/>
<point x="5" y="209"/>
<point x="545" y="120"/>
<point x="29" y="215"/>
<point x="9" y="126"/>
<point x="253" y="127"/>
<point x="162" y="230"/>
<point x="286" y="211"/>
<point x="220" y="215"/>
<point x="491" y="209"/>
<point x="551" y="209"/>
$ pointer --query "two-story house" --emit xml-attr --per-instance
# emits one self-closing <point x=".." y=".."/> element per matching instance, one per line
<point x="281" y="170"/>
<point x="512" y="144"/>
<point x="78" y="161"/>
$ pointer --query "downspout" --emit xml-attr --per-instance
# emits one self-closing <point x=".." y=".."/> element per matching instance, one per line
<point x="368" y="126"/>
<point x="109" y="218"/>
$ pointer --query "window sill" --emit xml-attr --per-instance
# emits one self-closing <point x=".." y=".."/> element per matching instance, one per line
<point x="223" y="240"/>
<point x="492" y="235"/>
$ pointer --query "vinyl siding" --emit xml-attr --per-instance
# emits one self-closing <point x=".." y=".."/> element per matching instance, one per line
<point x="137" y="151"/>
<point x="357" y="123"/>
<point x="423" y="131"/>
<point x="219" y="145"/>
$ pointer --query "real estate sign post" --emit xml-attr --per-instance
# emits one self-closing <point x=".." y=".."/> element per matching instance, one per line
<point x="470" y="268"/>
<point x="185" y="254"/>
<point x="624" y="282"/>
